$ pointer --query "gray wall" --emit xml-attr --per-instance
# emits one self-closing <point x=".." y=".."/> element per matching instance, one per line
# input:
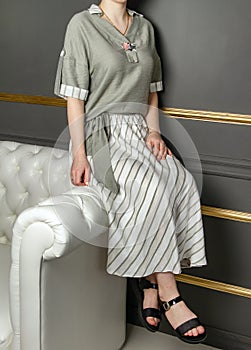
<point x="205" y="46"/>
<point x="205" y="50"/>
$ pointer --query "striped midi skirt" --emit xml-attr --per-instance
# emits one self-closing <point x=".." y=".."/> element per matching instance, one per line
<point x="155" y="222"/>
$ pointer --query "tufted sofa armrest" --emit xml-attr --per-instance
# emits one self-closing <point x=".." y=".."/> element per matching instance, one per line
<point x="55" y="228"/>
<point x="81" y="212"/>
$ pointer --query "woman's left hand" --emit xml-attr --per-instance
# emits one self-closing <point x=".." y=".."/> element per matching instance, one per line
<point x="157" y="146"/>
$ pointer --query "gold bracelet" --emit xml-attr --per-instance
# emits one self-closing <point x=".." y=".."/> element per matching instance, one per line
<point x="152" y="131"/>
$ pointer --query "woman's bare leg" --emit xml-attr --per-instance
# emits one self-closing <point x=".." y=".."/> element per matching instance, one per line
<point x="178" y="313"/>
<point x="151" y="300"/>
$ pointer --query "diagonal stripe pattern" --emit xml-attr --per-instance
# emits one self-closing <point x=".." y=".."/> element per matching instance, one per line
<point x="155" y="221"/>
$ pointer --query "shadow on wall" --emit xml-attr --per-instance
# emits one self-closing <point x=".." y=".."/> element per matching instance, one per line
<point x="147" y="8"/>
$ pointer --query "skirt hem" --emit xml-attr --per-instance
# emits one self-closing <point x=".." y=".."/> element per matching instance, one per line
<point x="165" y="270"/>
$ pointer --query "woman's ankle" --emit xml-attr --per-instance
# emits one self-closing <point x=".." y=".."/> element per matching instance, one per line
<point x="166" y="295"/>
<point x="167" y="286"/>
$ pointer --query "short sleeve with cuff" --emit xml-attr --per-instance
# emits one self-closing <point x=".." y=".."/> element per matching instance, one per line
<point x="72" y="77"/>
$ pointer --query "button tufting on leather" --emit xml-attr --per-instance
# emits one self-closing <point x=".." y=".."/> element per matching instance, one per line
<point x="17" y="194"/>
<point x="35" y="151"/>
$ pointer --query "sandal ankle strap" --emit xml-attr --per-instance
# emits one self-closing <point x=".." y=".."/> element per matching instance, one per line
<point x="166" y="305"/>
<point x="145" y="284"/>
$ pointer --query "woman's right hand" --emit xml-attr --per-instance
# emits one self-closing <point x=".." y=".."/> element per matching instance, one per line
<point x="80" y="170"/>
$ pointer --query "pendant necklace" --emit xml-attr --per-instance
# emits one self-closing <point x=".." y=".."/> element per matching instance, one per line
<point x="129" y="48"/>
<point x="113" y="23"/>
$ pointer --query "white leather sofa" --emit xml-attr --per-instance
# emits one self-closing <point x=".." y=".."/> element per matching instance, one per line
<point x="55" y="293"/>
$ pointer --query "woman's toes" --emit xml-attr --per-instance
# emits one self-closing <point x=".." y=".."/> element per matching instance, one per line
<point x="200" y="329"/>
<point x="156" y="321"/>
<point x="152" y="321"/>
<point x="195" y="332"/>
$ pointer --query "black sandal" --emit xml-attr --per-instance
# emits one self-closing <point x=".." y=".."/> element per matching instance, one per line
<point x="186" y="326"/>
<point x="138" y="285"/>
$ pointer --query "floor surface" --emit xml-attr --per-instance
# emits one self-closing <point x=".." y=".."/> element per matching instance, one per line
<point x="138" y="338"/>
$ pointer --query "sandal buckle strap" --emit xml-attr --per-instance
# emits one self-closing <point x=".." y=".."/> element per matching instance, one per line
<point x="167" y="304"/>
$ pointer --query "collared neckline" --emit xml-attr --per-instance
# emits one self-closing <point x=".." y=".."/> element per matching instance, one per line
<point x="95" y="9"/>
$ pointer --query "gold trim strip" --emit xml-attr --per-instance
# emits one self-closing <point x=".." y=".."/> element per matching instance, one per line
<point x="226" y="214"/>
<point x="209" y="116"/>
<point x="215" y="285"/>
<point x="37" y="100"/>
<point x="220" y="117"/>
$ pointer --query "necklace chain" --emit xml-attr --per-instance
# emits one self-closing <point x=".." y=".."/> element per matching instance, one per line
<point x="114" y="24"/>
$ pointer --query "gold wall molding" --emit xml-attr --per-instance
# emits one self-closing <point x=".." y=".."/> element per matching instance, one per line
<point x="214" y="285"/>
<point x="32" y="99"/>
<point x="226" y="213"/>
<point x="209" y="116"/>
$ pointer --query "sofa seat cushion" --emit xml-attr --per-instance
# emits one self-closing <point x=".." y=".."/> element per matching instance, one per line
<point x="6" y="332"/>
